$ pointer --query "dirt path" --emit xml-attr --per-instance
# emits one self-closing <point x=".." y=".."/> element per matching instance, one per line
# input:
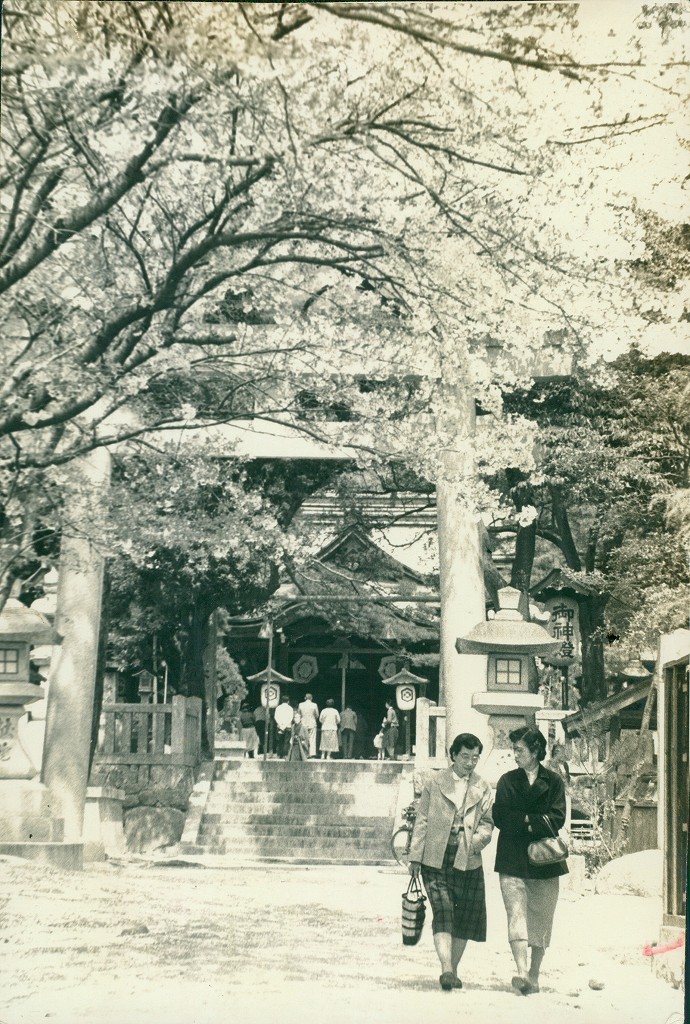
<point x="174" y="945"/>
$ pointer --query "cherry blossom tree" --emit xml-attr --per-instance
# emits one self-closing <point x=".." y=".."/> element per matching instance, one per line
<point x="387" y="192"/>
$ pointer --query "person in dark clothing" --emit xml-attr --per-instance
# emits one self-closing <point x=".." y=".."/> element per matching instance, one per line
<point x="529" y="805"/>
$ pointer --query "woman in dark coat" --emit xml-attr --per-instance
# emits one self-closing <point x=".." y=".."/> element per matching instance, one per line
<point x="529" y="805"/>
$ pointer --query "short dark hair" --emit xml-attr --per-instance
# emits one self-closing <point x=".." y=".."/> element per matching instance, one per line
<point x="532" y="738"/>
<point x="330" y="703"/>
<point x="465" y="741"/>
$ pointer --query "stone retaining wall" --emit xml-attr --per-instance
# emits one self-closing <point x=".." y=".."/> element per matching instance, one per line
<point x="155" y="803"/>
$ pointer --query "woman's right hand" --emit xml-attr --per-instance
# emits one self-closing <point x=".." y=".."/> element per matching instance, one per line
<point x="414" y="867"/>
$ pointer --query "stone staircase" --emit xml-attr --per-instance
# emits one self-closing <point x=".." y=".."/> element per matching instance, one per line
<point x="339" y="812"/>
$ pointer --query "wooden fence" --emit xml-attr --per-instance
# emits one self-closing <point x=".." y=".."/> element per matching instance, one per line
<point x="151" y="734"/>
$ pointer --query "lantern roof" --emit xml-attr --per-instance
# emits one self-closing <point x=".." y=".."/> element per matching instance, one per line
<point x="17" y="622"/>
<point x="404" y="676"/>
<point x="507" y="632"/>
<point x="635" y="671"/>
<point x="276" y="677"/>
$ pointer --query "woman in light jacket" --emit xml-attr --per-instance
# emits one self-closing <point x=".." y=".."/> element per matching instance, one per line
<point x="453" y="826"/>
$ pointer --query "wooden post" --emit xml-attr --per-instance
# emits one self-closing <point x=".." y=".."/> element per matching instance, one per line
<point x="422" y="750"/>
<point x="179" y="716"/>
<point x="268" y="689"/>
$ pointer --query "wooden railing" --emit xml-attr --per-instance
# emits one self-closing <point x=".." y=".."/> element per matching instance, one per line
<point x="151" y="733"/>
<point x="431" y="733"/>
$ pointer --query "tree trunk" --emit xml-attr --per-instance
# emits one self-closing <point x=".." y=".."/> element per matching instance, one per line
<point x="562" y="524"/>
<point x="592" y="628"/>
<point x="526" y="537"/>
<point x="525" y="541"/>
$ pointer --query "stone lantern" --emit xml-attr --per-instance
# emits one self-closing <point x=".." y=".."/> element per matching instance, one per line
<point x="511" y="698"/>
<point x="27" y="827"/>
<point x="405" y="683"/>
<point x="20" y="629"/>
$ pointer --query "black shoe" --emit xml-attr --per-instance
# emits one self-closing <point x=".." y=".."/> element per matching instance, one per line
<point x="456" y="982"/>
<point x="446" y="981"/>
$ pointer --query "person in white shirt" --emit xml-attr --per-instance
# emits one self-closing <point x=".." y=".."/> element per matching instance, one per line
<point x="330" y="720"/>
<point x="284" y="716"/>
<point x="310" y="720"/>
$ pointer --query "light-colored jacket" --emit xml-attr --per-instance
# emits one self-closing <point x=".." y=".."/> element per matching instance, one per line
<point x="435" y="817"/>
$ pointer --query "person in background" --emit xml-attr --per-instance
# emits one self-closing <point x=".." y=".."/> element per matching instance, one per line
<point x="299" y="741"/>
<point x="330" y="720"/>
<point x="390" y="731"/>
<point x="348" y="728"/>
<point x="283" y="716"/>
<point x="247" y="726"/>
<point x="310" y="720"/>
<point x="529" y="805"/>
<point x="452" y="827"/>
<point x="260" y="725"/>
<point x="378" y="745"/>
<point x="362" y="737"/>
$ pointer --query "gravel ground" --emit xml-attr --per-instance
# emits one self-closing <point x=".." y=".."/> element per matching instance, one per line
<point x="130" y="942"/>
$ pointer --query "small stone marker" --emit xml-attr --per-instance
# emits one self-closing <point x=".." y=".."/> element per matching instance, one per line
<point x="595" y="984"/>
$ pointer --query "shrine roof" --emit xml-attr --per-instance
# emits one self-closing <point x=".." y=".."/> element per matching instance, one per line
<point x="560" y="579"/>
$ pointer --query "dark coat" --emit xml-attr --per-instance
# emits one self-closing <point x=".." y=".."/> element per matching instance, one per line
<point x="515" y="799"/>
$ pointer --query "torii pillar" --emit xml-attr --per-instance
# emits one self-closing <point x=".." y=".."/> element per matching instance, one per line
<point x="78" y="618"/>
<point x="461" y="567"/>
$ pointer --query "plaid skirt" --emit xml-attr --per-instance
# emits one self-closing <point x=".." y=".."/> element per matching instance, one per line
<point x="457" y="898"/>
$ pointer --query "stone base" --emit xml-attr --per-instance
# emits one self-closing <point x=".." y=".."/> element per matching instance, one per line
<point x="25" y="813"/>
<point x="103" y="834"/>
<point x="64" y="856"/>
<point x="670" y="965"/>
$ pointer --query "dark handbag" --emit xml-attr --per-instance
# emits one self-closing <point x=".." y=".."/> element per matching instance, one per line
<point x="413" y="912"/>
<point x="550" y="850"/>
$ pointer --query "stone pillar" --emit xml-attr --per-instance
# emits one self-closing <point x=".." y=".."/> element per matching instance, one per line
<point x="461" y="569"/>
<point x="78" y="618"/>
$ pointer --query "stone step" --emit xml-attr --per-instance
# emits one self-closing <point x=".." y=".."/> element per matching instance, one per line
<point x="281" y="797"/>
<point x="211" y="829"/>
<point x="300" y="812"/>
<point x="339" y="768"/>
<point x="307" y="777"/>
<point x="244" y="858"/>
<point x="234" y="817"/>
<point x="289" y="785"/>
<point x="272" y="846"/>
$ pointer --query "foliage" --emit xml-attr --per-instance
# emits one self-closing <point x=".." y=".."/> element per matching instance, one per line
<point x="594" y="790"/>
<point x="613" y="450"/>
<point x="190" y="537"/>
<point x="362" y="188"/>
